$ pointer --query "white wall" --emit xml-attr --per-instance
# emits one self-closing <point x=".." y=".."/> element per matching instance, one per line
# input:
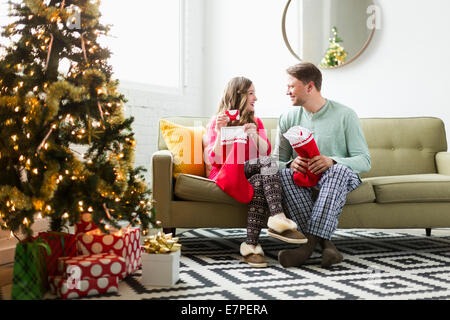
<point x="147" y="107"/>
<point x="404" y="71"/>
<point x="243" y="38"/>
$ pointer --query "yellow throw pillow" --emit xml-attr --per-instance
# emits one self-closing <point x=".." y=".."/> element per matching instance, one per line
<point x="185" y="143"/>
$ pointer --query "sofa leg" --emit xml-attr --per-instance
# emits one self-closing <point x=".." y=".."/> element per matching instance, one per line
<point x="170" y="230"/>
<point x="428" y="232"/>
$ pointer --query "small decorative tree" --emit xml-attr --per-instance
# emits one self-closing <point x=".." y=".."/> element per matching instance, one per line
<point x="48" y="114"/>
<point x="335" y="54"/>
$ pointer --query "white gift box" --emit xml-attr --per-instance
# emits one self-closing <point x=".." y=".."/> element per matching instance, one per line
<point x="230" y="135"/>
<point x="160" y="269"/>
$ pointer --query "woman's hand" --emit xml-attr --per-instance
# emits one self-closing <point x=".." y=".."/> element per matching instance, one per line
<point x="221" y="121"/>
<point x="250" y="129"/>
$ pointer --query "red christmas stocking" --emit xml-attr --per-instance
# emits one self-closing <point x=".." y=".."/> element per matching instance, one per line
<point x="232" y="114"/>
<point x="302" y="141"/>
<point x="231" y="177"/>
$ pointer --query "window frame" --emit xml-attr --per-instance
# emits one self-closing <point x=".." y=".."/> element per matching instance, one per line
<point x="178" y="91"/>
<point x="147" y="87"/>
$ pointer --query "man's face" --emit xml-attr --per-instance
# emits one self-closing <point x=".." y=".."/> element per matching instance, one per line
<point x="298" y="92"/>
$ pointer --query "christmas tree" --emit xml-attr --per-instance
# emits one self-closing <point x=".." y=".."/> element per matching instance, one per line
<point x="335" y="54"/>
<point x="65" y="146"/>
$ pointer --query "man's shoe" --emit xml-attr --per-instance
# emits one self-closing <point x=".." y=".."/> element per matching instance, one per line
<point x="296" y="257"/>
<point x="330" y="254"/>
<point x="285" y="230"/>
<point x="254" y="257"/>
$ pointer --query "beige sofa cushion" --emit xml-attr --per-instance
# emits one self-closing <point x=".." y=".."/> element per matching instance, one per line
<point x="363" y="194"/>
<point x="411" y="188"/>
<point x="403" y="146"/>
<point x="195" y="188"/>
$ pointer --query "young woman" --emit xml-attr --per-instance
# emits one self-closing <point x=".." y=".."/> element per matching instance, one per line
<point x="259" y="168"/>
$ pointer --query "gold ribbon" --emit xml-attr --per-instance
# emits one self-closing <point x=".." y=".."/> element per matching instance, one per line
<point x="100" y="110"/>
<point x="161" y="243"/>
<point x="51" y="40"/>
<point x="45" y="139"/>
<point x="107" y="211"/>
<point x="49" y="51"/>
<point x="83" y="47"/>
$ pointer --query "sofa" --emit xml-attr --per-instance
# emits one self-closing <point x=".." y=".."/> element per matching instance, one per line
<point x="408" y="185"/>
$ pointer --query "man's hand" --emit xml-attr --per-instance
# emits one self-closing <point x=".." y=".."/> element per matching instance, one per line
<point x="299" y="164"/>
<point x="319" y="164"/>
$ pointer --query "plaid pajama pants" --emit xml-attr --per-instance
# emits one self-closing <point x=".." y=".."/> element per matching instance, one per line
<point x="263" y="175"/>
<point x="319" y="217"/>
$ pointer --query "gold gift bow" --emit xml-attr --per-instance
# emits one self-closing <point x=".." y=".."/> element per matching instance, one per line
<point x="161" y="243"/>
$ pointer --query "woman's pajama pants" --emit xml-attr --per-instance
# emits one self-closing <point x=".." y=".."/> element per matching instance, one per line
<point x="262" y="173"/>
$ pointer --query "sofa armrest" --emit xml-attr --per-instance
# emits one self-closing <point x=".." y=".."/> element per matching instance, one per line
<point x="443" y="163"/>
<point x="162" y="185"/>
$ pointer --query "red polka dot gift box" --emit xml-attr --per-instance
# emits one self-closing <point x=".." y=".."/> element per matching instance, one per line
<point x="85" y="224"/>
<point x="72" y="288"/>
<point x="125" y="243"/>
<point x="92" y="266"/>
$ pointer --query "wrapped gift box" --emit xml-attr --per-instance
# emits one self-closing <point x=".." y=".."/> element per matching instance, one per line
<point x="61" y="245"/>
<point x="70" y="289"/>
<point x="85" y="224"/>
<point x="233" y="134"/>
<point x="125" y="243"/>
<point x="93" y="266"/>
<point x="160" y="269"/>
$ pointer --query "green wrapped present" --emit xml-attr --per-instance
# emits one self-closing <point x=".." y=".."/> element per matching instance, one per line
<point x="30" y="270"/>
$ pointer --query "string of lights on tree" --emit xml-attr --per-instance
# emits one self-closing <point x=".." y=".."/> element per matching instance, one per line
<point x="49" y="112"/>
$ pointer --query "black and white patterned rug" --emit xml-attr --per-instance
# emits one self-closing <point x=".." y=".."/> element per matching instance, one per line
<point x="377" y="265"/>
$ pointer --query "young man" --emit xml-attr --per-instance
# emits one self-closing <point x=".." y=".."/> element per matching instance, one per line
<point x="343" y="154"/>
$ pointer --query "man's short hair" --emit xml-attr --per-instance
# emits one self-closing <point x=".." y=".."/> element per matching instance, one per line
<point x="306" y="72"/>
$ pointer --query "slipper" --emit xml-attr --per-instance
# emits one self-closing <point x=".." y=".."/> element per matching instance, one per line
<point x="285" y="230"/>
<point x="289" y="236"/>
<point x="254" y="257"/>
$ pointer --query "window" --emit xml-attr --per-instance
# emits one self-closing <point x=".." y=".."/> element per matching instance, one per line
<point x="146" y="42"/>
<point x="3" y="12"/>
<point x="4" y="9"/>
<point x="4" y="20"/>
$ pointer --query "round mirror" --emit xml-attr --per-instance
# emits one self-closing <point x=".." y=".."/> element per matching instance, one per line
<point x="329" y="33"/>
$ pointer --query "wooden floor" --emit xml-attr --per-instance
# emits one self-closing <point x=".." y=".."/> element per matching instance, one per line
<point x="6" y="274"/>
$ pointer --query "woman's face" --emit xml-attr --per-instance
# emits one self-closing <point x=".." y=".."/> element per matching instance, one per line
<point x="251" y="99"/>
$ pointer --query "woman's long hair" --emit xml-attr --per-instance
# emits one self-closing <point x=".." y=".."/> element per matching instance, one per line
<point x="235" y="98"/>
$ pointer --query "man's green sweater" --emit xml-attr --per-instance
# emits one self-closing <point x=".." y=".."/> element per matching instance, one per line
<point x="336" y="130"/>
